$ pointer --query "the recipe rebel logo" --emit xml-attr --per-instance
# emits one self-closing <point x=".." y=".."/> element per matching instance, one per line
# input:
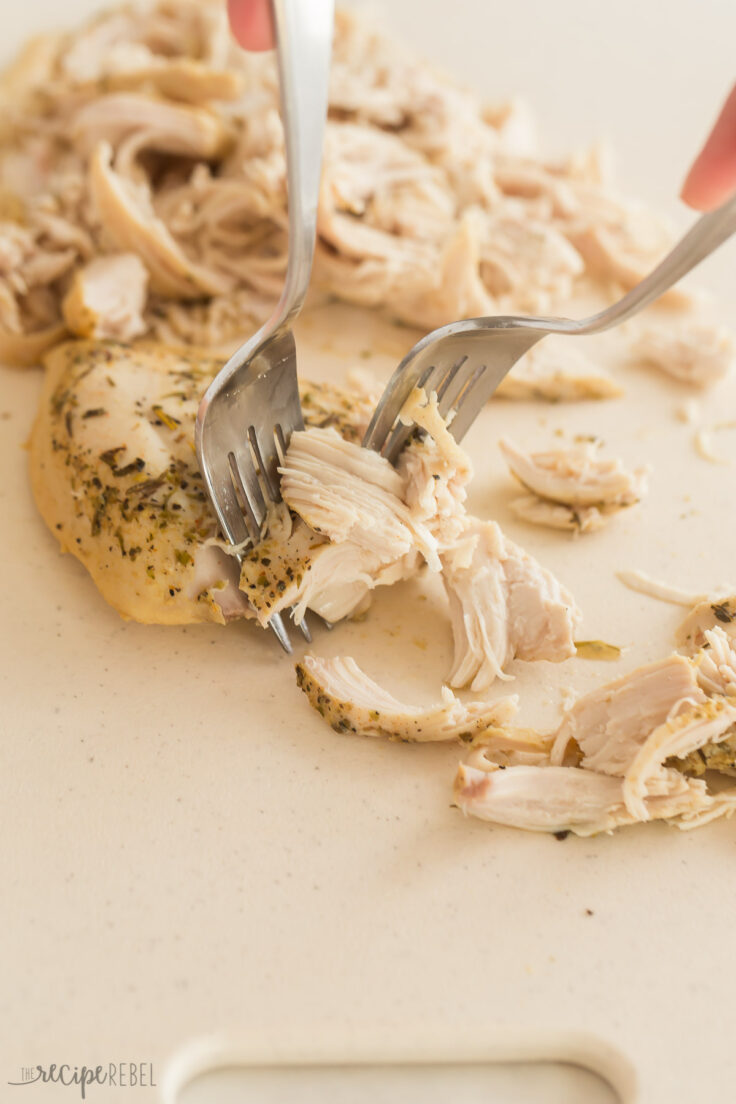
<point x="118" y="1075"/>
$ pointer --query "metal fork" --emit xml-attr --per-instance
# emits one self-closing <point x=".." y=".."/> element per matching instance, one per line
<point x="252" y="407"/>
<point x="465" y="361"/>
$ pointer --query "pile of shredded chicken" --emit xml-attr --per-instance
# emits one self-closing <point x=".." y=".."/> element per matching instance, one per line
<point x="142" y="192"/>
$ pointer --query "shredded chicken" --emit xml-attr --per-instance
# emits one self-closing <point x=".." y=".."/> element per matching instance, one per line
<point x="115" y="476"/>
<point x="352" y="702"/>
<point x="553" y="371"/>
<point x="574" y="488"/>
<point x="147" y="130"/>
<point x="693" y="352"/>
<point x="503" y="604"/>
<point x="564" y="799"/>
<point x="716" y="611"/>
<point x="624" y="754"/>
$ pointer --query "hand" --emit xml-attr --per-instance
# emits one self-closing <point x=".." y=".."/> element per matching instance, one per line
<point x="252" y="23"/>
<point x="712" y="178"/>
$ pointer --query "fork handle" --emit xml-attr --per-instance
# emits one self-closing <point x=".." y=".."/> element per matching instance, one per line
<point x="700" y="241"/>
<point x="304" y="43"/>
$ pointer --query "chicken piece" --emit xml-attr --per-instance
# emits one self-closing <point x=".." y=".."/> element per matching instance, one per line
<point x="616" y="757"/>
<point x="505" y="745"/>
<point x="32" y="67"/>
<point x="577" y="480"/>
<point x="503" y="604"/>
<point x="435" y="470"/>
<point x="553" y="372"/>
<point x="566" y="799"/>
<point x="107" y="297"/>
<point x="621" y="243"/>
<point x="115" y="477"/>
<point x="452" y="288"/>
<point x="525" y="260"/>
<point x="693" y="352"/>
<point x="350" y="701"/>
<point x="125" y="212"/>
<point x="301" y="570"/>
<point x="575" y="476"/>
<point x="156" y="124"/>
<point x="179" y="79"/>
<point x="348" y="493"/>
<point x="553" y="515"/>
<point x="719" y="755"/>
<point x="610" y="725"/>
<point x="716" y="662"/>
<point x="678" y="737"/>
<point x="708" y="613"/>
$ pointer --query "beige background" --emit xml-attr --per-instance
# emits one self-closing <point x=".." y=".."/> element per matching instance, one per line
<point x="191" y="854"/>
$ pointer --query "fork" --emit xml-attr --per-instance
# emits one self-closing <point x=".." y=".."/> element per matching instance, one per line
<point x="465" y="362"/>
<point x="250" y="410"/>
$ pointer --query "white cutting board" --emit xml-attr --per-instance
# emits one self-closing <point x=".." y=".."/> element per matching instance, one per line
<point x="196" y="867"/>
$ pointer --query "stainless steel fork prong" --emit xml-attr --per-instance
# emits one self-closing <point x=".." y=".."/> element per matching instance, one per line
<point x="489" y="347"/>
<point x="248" y="414"/>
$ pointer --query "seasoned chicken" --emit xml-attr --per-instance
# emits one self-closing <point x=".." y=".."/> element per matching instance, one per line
<point x="708" y="613"/>
<point x="352" y="702"/>
<point x="115" y="477"/>
<point x="692" y="351"/>
<point x="623" y="754"/>
<point x="576" y="480"/>
<point x="147" y="130"/>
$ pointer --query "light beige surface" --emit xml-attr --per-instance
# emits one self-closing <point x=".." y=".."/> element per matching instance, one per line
<point x="189" y="853"/>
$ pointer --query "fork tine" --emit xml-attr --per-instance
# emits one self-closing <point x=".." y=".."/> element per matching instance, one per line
<point x="465" y="370"/>
<point x="305" y="629"/>
<point x="246" y="483"/>
<point x="398" y="389"/>
<point x="227" y="507"/>
<point x="276" y="625"/>
<point x="429" y="380"/>
<point x="267" y="461"/>
<point x="439" y="379"/>
<point x="474" y="396"/>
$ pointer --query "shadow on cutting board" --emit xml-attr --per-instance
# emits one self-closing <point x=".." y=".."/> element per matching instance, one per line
<point x="487" y="1083"/>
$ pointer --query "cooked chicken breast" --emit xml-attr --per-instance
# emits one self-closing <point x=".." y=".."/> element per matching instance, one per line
<point x="115" y="477"/>
<point x="352" y="702"/>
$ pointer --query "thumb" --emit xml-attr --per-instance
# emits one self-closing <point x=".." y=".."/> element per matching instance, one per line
<point x="712" y="178"/>
<point x="251" y="23"/>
